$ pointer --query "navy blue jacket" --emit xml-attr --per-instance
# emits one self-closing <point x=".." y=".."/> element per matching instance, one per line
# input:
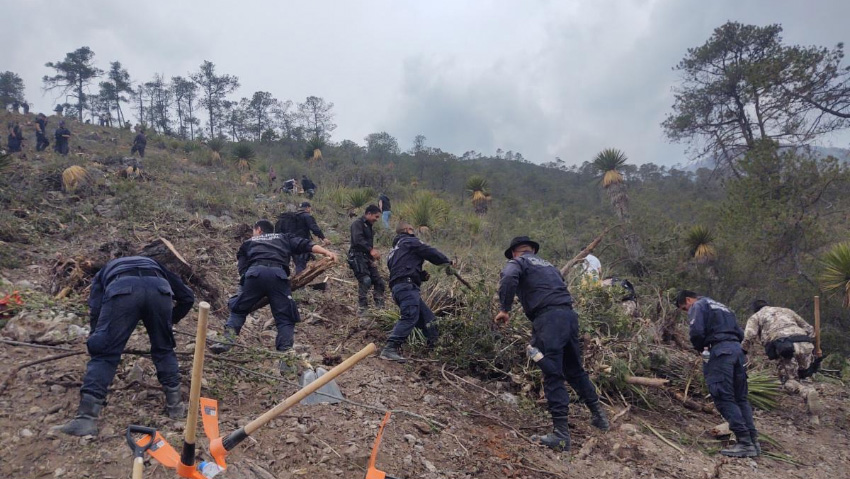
<point x="536" y="282"/>
<point x="362" y="236"/>
<point x="271" y="248"/>
<point x="306" y="225"/>
<point x="183" y="296"/>
<point x="712" y="323"/>
<point x="408" y="255"/>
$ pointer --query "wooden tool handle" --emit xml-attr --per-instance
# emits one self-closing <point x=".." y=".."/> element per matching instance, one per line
<point x="138" y="467"/>
<point x="818" y="352"/>
<point x="197" y="370"/>
<point x="308" y="389"/>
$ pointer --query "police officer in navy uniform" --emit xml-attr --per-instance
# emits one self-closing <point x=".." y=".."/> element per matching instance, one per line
<point x="362" y="258"/>
<point x="41" y="141"/>
<point x="406" y="275"/>
<point x="714" y="329"/>
<point x="548" y="304"/>
<point x="62" y="135"/>
<point x="307" y="226"/>
<point x="125" y="291"/>
<point x="263" y="263"/>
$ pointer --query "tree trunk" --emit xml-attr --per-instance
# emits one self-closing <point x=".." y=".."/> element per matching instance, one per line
<point x="80" y="99"/>
<point x="162" y="251"/>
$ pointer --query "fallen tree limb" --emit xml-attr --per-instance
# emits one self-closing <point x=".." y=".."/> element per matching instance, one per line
<point x="33" y="345"/>
<point x="649" y="382"/>
<point x="14" y="372"/>
<point x="314" y="269"/>
<point x="666" y="441"/>
<point x="586" y="251"/>
<point x="694" y="405"/>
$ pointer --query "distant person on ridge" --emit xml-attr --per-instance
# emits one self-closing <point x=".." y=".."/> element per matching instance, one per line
<point x="386" y="211"/>
<point x="139" y="143"/>
<point x="787" y="338"/>
<point x="15" y="139"/>
<point x="41" y="141"/>
<point x="405" y="262"/>
<point x="715" y="333"/>
<point x="363" y="257"/>
<point x="555" y="345"/>
<point x="26" y="107"/>
<point x="308" y="186"/>
<point x="62" y="135"/>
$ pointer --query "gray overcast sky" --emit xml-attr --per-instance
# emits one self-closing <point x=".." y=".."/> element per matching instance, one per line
<point x="546" y="78"/>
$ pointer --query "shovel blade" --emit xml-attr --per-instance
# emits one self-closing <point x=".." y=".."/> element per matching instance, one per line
<point x="327" y="394"/>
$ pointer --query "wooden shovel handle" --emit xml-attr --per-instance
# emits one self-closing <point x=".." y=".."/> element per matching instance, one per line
<point x="197" y="370"/>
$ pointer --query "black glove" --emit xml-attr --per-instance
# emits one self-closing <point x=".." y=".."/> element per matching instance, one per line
<point x="424" y="276"/>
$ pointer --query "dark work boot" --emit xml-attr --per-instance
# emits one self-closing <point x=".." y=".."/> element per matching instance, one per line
<point x="598" y="420"/>
<point x="755" y="439"/>
<point x="432" y="335"/>
<point x="174" y="406"/>
<point x="743" y="448"/>
<point x="226" y="342"/>
<point x="85" y="422"/>
<point x="558" y="439"/>
<point x="391" y="352"/>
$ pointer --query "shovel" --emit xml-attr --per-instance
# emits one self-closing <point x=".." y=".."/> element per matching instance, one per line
<point x="328" y="394"/>
<point x="139" y="451"/>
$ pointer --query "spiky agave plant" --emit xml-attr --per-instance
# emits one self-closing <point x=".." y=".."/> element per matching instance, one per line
<point x="217" y="146"/>
<point x="477" y="187"/>
<point x="700" y="243"/>
<point x="608" y="163"/>
<point x="5" y="160"/>
<point x="836" y="271"/>
<point x="244" y="155"/>
<point x="359" y="198"/>
<point x="425" y="211"/>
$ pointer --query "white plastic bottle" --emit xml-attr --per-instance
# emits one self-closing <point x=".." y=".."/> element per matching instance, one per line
<point x="209" y="469"/>
<point x="533" y="353"/>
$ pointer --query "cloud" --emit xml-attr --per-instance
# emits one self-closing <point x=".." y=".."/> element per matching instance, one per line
<point x="547" y="77"/>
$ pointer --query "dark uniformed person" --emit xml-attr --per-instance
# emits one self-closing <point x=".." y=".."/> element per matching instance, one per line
<point x="548" y="304"/>
<point x="306" y="227"/>
<point x="714" y="328"/>
<point x="41" y="141"/>
<point x="308" y="186"/>
<point x="263" y="263"/>
<point x="125" y="291"/>
<point x="406" y="275"/>
<point x="62" y="135"/>
<point x="362" y="257"/>
<point x="386" y="209"/>
<point x="139" y="143"/>
<point x="15" y="139"/>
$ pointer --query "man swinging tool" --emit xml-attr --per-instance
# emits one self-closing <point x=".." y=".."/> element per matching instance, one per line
<point x="548" y="304"/>
<point x="125" y="291"/>
<point x="406" y="275"/>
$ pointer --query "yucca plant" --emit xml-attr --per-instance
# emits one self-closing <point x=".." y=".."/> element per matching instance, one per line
<point x="477" y="187"/>
<point x="217" y="146"/>
<point x="244" y="155"/>
<point x="763" y="390"/>
<point x="608" y="163"/>
<point x="700" y="243"/>
<point x="836" y="271"/>
<point x="313" y="151"/>
<point x="425" y="211"/>
<point x="5" y="161"/>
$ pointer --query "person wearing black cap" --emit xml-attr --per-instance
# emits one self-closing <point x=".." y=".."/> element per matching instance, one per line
<point x="406" y="275"/>
<point x="305" y="227"/>
<point x="715" y="333"/>
<point x="554" y="342"/>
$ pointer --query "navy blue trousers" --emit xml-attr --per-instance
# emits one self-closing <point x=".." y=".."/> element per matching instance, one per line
<point x="272" y="283"/>
<point x="301" y="261"/>
<point x="555" y="334"/>
<point x="126" y="301"/>
<point x="414" y="314"/>
<point x="726" y="378"/>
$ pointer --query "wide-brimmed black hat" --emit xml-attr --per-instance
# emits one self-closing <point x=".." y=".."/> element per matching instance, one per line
<point x="519" y="240"/>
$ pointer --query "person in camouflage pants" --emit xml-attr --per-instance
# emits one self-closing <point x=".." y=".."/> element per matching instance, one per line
<point x="770" y="324"/>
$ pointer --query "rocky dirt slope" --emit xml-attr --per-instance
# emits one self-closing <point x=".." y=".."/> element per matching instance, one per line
<point x="447" y="424"/>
